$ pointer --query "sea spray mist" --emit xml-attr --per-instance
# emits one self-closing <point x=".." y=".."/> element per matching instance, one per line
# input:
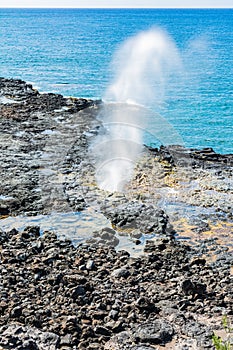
<point x="142" y="66"/>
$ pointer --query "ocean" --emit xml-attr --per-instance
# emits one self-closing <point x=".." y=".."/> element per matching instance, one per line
<point x="69" y="51"/>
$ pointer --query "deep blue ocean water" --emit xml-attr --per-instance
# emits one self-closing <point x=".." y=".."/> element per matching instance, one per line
<point x="69" y="51"/>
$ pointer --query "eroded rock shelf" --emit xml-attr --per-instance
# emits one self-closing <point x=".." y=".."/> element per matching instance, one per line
<point x="155" y="273"/>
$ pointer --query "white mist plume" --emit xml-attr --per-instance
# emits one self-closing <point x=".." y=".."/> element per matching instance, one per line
<point x="142" y="65"/>
<point x="117" y="148"/>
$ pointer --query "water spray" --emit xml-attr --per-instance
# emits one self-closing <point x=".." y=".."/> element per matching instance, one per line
<point x="143" y="65"/>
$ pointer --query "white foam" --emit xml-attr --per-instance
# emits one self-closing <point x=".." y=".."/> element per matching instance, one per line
<point x="4" y="100"/>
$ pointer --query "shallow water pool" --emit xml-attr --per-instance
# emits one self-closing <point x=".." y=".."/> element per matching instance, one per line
<point x="77" y="226"/>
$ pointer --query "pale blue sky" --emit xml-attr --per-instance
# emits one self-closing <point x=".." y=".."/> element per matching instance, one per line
<point x="119" y="3"/>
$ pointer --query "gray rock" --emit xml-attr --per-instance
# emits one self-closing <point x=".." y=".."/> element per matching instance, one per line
<point x="66" y="340"/>
<point x="120" y="341"/>
<point x="142" y="347"/>
<point x="121" y="273"/>
<point x="23" y="337"/>
<point x="90" y="264"/>
<point x="137" y="216"/>
<point x="100" y="330"/>
<point x="156" y="332"/>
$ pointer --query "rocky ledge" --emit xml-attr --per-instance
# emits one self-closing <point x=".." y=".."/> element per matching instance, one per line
<point x="177" y="208"/>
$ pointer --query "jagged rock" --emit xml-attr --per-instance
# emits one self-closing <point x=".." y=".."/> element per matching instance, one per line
<point x="19" y="337"/>
<point x="134" y="215"/>
<point x="156" y="332"/>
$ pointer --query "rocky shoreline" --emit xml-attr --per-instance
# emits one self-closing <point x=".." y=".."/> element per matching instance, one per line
<point x="177" y="211"/>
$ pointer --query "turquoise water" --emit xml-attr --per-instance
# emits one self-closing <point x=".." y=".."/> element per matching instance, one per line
<point x="69" y="52"/>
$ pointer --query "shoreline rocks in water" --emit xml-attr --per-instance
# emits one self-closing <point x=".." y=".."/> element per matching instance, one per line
<point x="57" y="296"/>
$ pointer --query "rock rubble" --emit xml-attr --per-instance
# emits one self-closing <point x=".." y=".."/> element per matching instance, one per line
<point x="177" y="209"/>
<point x="55" y="296"/>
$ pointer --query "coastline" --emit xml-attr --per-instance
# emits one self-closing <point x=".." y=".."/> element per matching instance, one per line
<point x="92" y="297"/>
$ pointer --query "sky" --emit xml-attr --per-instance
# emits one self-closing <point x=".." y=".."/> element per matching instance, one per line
<point x="118" y="3"/>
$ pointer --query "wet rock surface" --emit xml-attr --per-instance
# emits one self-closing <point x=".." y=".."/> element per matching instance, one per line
<point x="138" y="216"/>
<point x="57" y="296"/>
<point x="38" y="133"/>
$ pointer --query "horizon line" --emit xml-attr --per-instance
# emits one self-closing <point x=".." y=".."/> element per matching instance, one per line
<point x="120" y="8"/>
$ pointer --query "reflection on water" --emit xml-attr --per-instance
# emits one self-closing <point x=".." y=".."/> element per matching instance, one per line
<point x="135" y="247"/>
<point x="77" y="226"/>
